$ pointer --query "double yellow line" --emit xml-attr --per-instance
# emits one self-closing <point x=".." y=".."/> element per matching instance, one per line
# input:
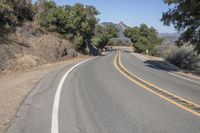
<point x="168" y="96"/>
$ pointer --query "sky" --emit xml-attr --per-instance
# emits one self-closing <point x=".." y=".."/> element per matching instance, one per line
<point x="131" y="12"/>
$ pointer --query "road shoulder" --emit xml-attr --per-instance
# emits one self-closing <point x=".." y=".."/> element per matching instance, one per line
<point x="160" y="63"/>
<point x="14" y="88"/>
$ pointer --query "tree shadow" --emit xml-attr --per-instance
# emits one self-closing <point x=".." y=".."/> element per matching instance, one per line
<point x="110" y="50"/>
<point x="128" y="51"/>
<point x="161" y="65"/>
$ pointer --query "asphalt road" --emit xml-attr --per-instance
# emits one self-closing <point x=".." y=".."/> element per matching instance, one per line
<point x="96" y="98"/>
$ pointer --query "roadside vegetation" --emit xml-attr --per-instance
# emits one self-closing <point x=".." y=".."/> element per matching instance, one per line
<point x="184" y="15"/>
<point x="14" y="13"/>
<point x="186" y="20"/>
<point x="34" y="34"/>
<point x="77" y="23"/>
<point x="143" y="38"/>
<point x="184" y="57"/>
<point x="103" y="35"/>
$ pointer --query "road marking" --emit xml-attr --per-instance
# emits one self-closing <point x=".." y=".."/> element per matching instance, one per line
<point x="166" y="71"/>
<point x="184" y="78"/>
<point x="54" y="120"/>
<point x="172" y="98"/>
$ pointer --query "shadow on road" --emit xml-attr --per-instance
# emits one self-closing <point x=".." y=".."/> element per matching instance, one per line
<point x="161" y="65"/>
<point x="128" y="51"/>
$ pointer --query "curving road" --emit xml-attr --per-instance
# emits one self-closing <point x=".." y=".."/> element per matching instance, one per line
<point x="95" y="97"/>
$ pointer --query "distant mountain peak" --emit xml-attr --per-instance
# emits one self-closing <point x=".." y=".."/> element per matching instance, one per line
<point x="122" y="25"/>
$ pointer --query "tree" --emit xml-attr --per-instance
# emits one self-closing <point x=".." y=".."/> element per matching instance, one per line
<point x="23" y="10"/>
<point x="75" y="22"/>
<point x="6" y="12"/>
<point x="15" y="12"/>
<point x="103" y="34"/>
<point x="111" y="31"/>
<point x="83" y="21"/>
<point x="53" y="18"/>
<point x="143" y="38"/>
<point x="184" y="15"/>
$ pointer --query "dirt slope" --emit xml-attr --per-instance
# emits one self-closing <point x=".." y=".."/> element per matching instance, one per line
<point x="30" y="46"/>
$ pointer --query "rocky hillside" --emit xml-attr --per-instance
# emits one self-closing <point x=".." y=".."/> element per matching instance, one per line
<point x="31" y="46"/>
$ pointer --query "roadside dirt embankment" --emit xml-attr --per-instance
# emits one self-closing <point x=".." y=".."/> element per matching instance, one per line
<point x="30" y="46"/>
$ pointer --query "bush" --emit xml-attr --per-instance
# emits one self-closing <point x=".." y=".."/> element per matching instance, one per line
<point x="78" y="42"/>
<point x="15" y="12"/>
<point x="185" y="58"/>
<point x="178" y="56"/>
<point x="143" y="38"/>
<point x="163" y="50"/>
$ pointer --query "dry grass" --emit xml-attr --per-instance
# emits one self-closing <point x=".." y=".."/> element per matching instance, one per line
<point x="29" y="46"/>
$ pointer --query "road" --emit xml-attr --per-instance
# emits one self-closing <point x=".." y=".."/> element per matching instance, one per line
<point x="96" y="97"/>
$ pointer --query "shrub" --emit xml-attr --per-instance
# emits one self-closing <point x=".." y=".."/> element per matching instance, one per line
<point x="163" y="50"/>
<point x="185" y="58"/>
<point x="78" y="42"/>
<point x="15" y="12"/>
<point x="178" y="55"/>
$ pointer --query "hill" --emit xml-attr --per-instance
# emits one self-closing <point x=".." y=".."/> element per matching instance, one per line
<point x="169" y="38"/>
<point x="30" y="46"/>
<point x="121" y="39"/>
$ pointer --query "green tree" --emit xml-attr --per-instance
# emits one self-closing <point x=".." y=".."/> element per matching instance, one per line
<point x="6" y="12"/>
<point x="75" y="22"/>
<point x="15" y="12"/>
<point x="103" y="34"/>
<point x="132" y="33"/>
<point x="53" y="18"/>
<point x="78" y="41"/>
<point x="184" y="15"/>
<point x="23" y="9"/>
<point x="82" y="22"/>
<point x="111" y="31"/>
<point x="143" y="37"/>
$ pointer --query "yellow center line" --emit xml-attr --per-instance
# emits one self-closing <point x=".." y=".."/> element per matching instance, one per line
<point x="188" y="105"/>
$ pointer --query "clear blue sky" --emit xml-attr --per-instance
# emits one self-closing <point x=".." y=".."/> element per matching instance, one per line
<point x="131" y="12"/>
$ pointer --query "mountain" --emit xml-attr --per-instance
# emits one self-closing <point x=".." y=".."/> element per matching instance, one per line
<point x="121" y="27"/>
<point x="169" y="38"/>
<point x="109" y="23"/>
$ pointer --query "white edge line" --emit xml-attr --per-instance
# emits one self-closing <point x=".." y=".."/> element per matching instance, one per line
<point x="184" y="78"/>
<point x="54" y="120"/>
<point x="168" y="72"/>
